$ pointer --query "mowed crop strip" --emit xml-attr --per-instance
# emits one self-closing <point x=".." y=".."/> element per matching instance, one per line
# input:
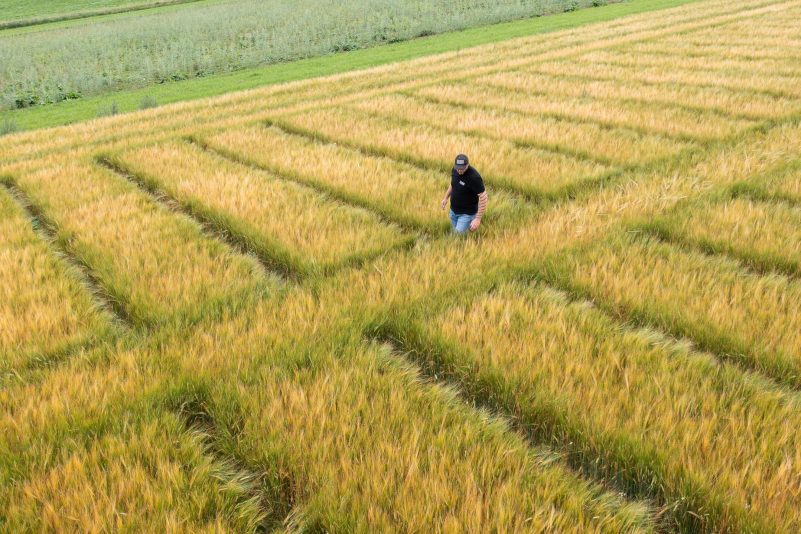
<point x="303" y="346"/>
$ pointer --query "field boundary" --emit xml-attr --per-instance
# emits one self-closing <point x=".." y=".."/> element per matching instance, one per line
<point x="388" y="87"/>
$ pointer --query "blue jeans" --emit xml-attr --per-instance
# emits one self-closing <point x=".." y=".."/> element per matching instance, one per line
<point x="461" y="222"/>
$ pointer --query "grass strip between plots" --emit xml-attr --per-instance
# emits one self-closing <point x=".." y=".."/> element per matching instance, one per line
<point x="784" y="186"/>
<point x="610" y="146"/>
<point x="398" y="191"/>
<point x="760" y="83"/>
<point x="153" y="475"/>
<point x="764" y="235"/>
<point x="534" y="173"/>
<point x="393" y="453"/>
<point x="173" y="469"/>
<point x="742" y="104"/>
<point x="399" y="451"/>
<point x="509" y="90"/>
<point x="509" y="406"/>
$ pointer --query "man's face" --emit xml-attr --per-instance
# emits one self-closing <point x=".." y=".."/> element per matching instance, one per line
<point x="461" y="171"/>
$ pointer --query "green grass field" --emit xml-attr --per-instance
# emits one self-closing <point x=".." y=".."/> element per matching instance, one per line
<point x="248" y="313"/>
<point x="22" y="13"/>
<point x="52" y="63"/>
<point x="69" y="111"/>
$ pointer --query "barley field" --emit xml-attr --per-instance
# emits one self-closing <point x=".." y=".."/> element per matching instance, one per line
<point x="247" y="313"/>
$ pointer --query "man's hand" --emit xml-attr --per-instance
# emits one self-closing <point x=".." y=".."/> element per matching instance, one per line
<point x="444" y="203"/>
<point x="474" y="224"/>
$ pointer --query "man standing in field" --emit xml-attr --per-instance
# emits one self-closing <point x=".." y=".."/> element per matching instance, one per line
<point x="468" y="196"/>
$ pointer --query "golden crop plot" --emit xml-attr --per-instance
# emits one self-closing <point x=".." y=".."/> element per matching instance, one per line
<point x="698" y="47"/>
<point x="766" y="235"/>
<point x="43" y="308"/>
<point x="737" y="103"/>
<point x="675" y="73"/>
<point x="610" y="392"/>
<point x="156" y="475"/>
<point x="783" y="46"/>
<point x="154" y="264"/>
<point x="503" y="163"/>
<point x="776" y="68"/>
<point x="389" y="419"/>
<point x="713" y="301"/>
<point x="373" y="181"/>
<point x="513" y="91"/>
<point x="294" y="225"/>
<point x="614" y="146"/>
<point x="440" y="464"/>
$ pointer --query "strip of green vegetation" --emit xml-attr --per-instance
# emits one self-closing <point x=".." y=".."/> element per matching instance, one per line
<point x="77" y="110"/>
<point x="18" y="13"/>
<point x="50" y="63"/>
<point x="84" y="18"/>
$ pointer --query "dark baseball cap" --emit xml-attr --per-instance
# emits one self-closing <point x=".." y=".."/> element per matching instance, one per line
<point x="461" y="162"/>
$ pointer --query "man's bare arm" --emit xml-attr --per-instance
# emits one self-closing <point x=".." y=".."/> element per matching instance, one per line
<point x="446" y="197"/>
<point x="483" y="199"/>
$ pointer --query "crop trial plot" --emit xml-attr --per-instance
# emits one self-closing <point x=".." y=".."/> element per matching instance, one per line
<point x="295" y="226"/>
<point x="43" y="308"/>
<point x="529" y="171"/>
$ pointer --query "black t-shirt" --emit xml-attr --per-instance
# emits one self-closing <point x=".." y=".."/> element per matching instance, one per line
<point x="466" y="188"/>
